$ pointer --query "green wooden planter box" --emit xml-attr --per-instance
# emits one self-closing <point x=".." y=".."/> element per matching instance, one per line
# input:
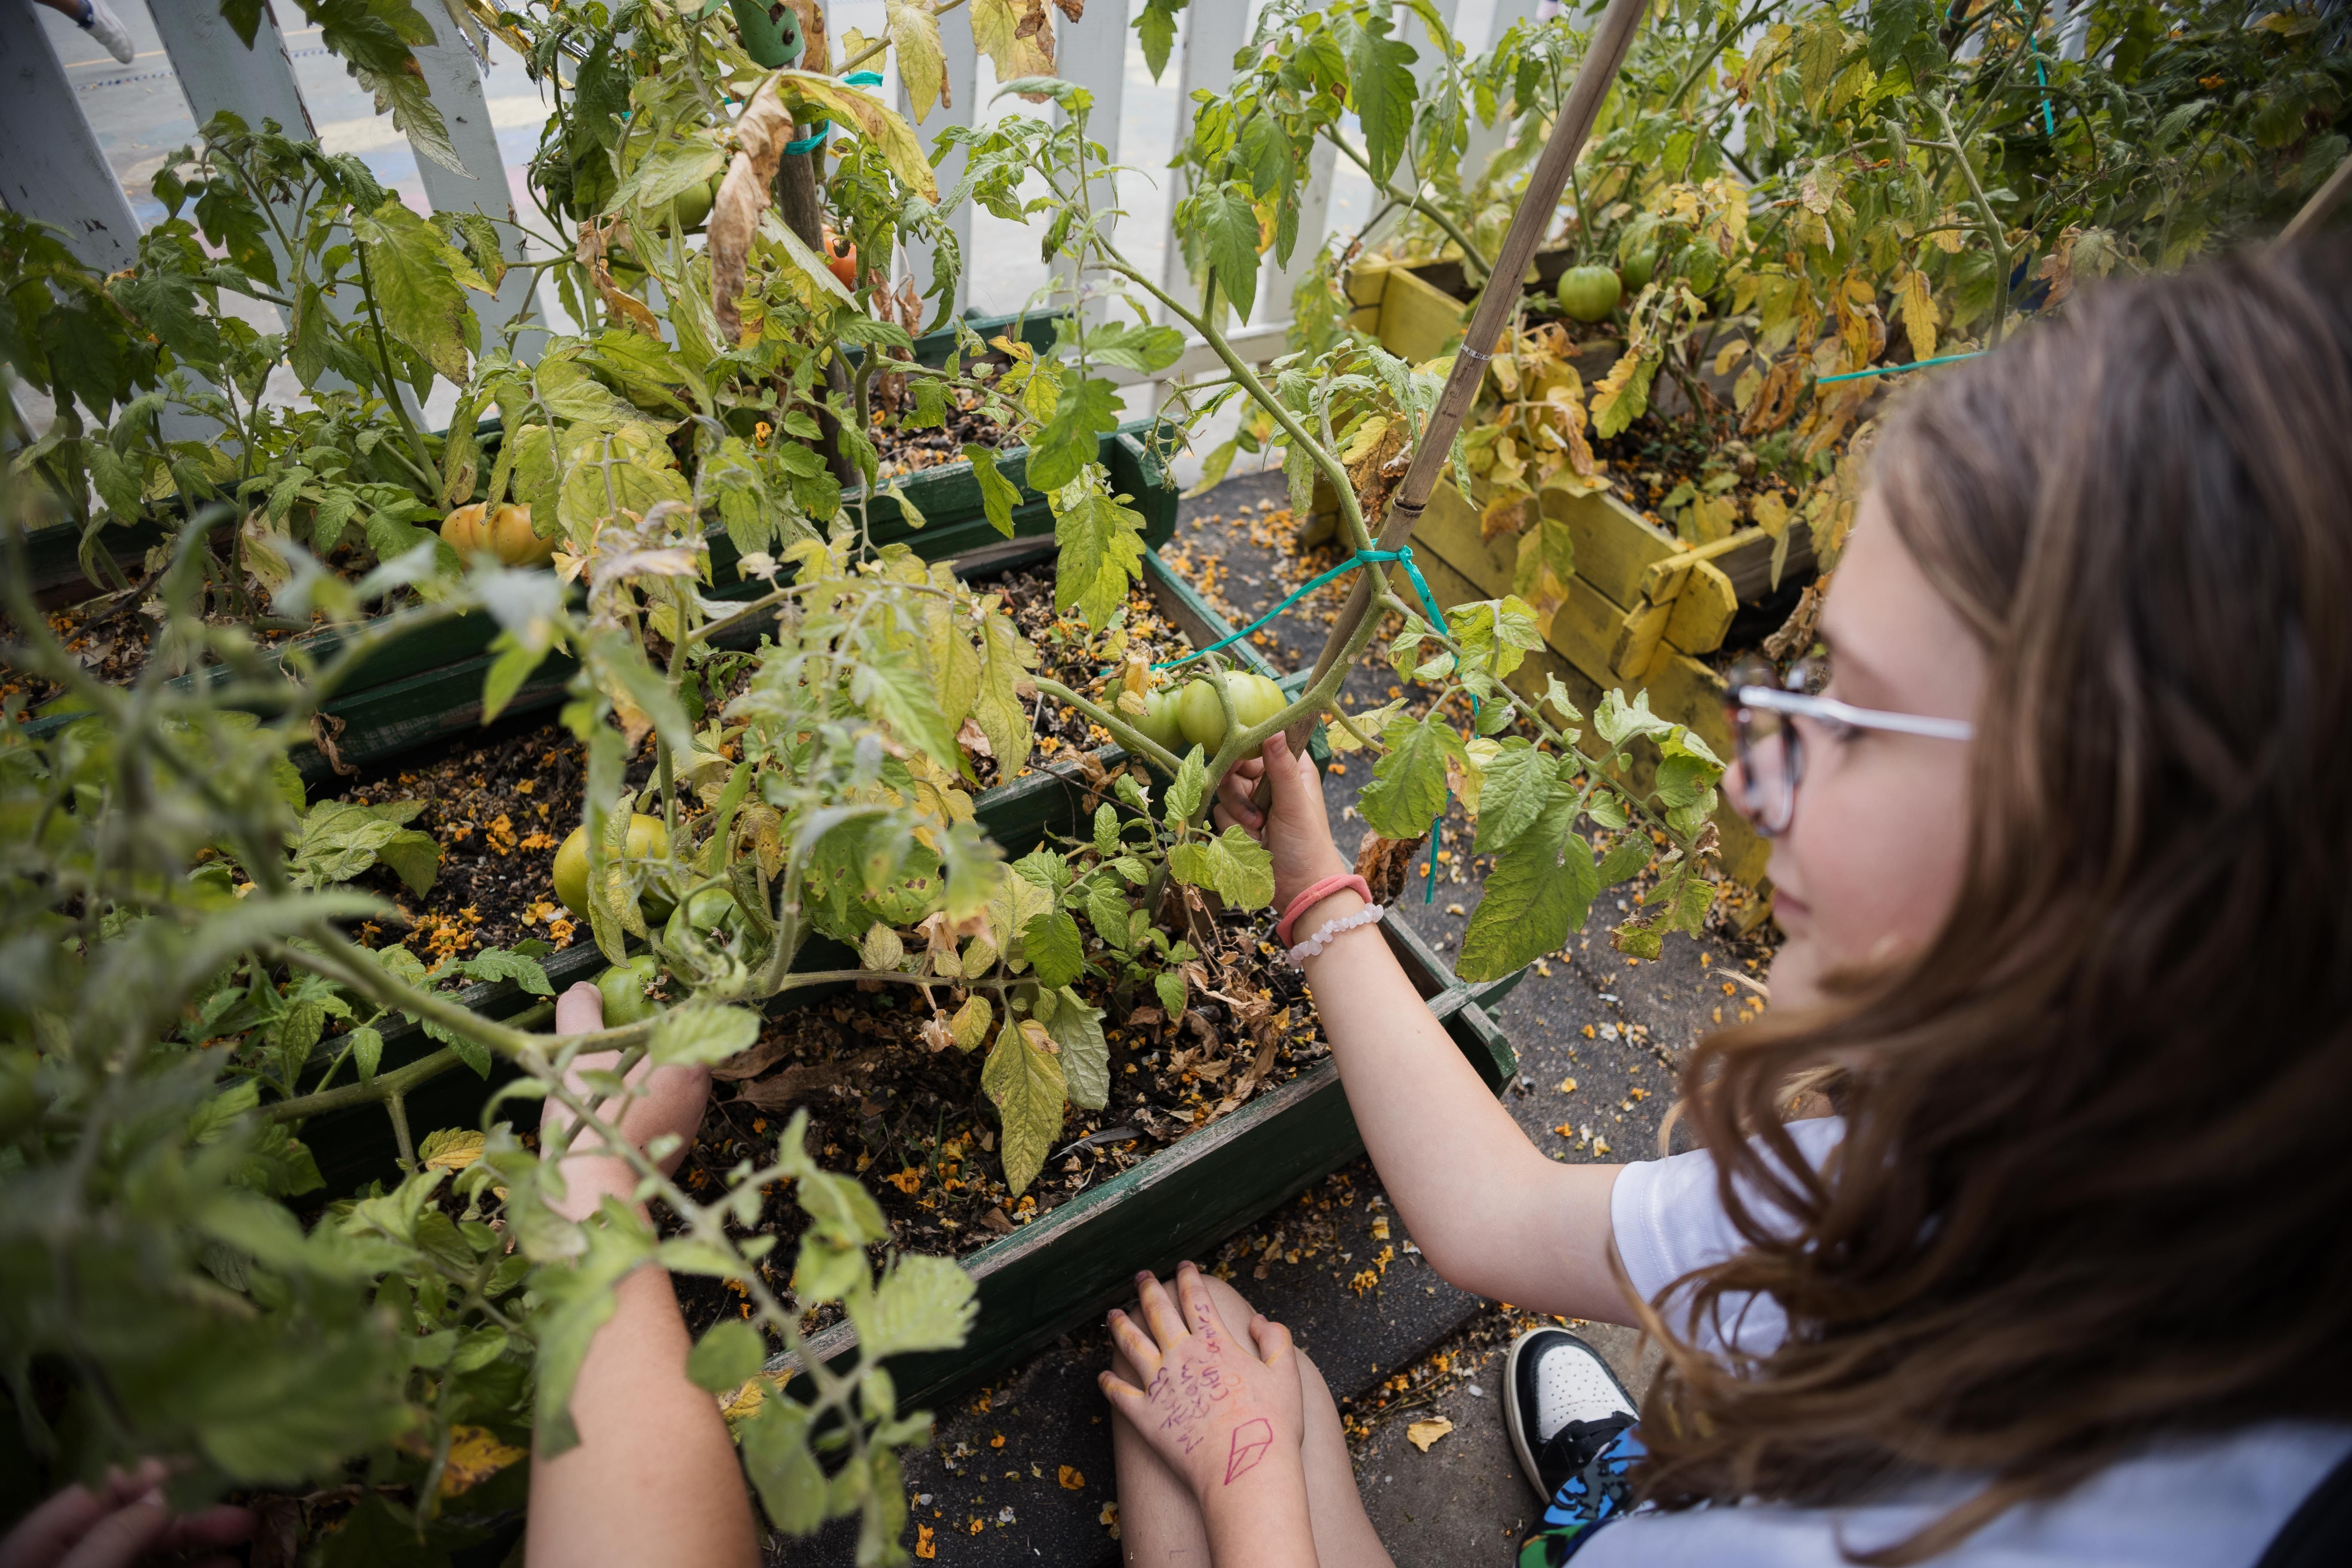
<point x="53" y="554"/>
<point x="428" y="685"/>
<point x="353" y="1147"/>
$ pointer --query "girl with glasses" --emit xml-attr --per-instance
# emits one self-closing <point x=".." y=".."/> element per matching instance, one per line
<point x="2061" y="825"/>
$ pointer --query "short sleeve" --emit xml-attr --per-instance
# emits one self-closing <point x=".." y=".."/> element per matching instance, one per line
<point x="1667" y="1220"/>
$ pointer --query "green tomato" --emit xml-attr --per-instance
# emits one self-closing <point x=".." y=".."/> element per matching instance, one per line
<point x="1588" y="293"/>
<point x="693" y="207"/>
<point x="1635" y="271"/>
<point x="1159" y="720"/>
<point x="705" y="912"/>
<point x="649" y="839"/>
<point x="1256" y="699"/>
<point x="625" y="988"/>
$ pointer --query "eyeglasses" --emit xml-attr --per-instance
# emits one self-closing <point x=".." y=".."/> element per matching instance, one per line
<point x="1770" y="750"/>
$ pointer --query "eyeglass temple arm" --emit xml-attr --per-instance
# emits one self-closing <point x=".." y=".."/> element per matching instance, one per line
<point x="1829" y="708"/>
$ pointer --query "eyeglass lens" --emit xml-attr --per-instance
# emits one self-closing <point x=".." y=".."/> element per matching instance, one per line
<point x="1771" y="756"/>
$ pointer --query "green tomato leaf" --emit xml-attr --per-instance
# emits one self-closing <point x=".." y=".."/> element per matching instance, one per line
<point x="1408" y="787"/>
<point x="1516" y="787"/>
<point x="1539" y="892"/>
<point x="998" y="495"/>
<point x="1101" y="551"/>
<point x="921" y="1304"/>
<point x="417" y="276"/>
<point x="1051" y="945"/>
<point x="1086" y="408"/>
<point x="1077" y="1029"/>
<point x="1026" y="1081"/>
<point x="1225" y="222"/>
<point x="726" y="1357"/>
<point x="700" y="1034"/>
<point x="1234" y="865"/>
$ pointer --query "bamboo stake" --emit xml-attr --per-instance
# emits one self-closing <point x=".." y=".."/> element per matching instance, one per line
<point x="1610" y="40"/>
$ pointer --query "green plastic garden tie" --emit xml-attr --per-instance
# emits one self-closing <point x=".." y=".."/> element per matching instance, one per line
<point x="1360" y="558"/>
<point x="815" y="138"/>
<point x="1402" y="555"/>
<point x="1897" y="369"/>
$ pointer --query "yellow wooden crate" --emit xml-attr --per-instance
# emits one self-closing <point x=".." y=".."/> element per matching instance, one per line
<point x="1681" y="688"/>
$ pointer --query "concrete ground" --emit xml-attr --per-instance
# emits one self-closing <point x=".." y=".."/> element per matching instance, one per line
<point x="1022" y="1472"/>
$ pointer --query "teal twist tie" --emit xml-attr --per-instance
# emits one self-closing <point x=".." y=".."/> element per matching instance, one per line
<point x="815" y="138"/>
<point x="1360" y="558"/>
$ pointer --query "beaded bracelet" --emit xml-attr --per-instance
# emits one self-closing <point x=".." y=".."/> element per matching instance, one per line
<point x="1324" y="934"/>
<point x="1311" y="896"/>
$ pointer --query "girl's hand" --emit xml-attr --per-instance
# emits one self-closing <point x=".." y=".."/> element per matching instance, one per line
<point x="667" y="1100"/>
<point x="1296" y="832"/>
<point x="124" y="1521"/>
<point x="1225" y="1416"/>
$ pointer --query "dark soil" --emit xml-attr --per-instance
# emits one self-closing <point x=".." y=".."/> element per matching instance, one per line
<point x="917" y="1127"/>
<point x="905" y="451"/>
<point x="498" y="809"/>
<point x="1074" y="654"/>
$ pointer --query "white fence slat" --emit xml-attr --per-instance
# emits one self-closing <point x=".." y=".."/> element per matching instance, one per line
<point x="55" y="169"/>
<point x="963" y="89"/>
<point x="1279" y="283"/>
<point x="1213" y="32"/>
<point x="1092" y="53"/>
<point x="455" y="80"/>
<point x="217" y="71"/>
<point x="1485" y="141"/>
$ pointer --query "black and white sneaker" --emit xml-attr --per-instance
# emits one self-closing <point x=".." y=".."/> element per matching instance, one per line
<point x="1564" y="1407"/>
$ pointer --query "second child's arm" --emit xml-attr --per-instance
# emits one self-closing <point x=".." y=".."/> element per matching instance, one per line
<point x="1492" y="1213"/>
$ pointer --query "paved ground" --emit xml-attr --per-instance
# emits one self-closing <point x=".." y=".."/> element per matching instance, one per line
<point x="1021" y="1473"/>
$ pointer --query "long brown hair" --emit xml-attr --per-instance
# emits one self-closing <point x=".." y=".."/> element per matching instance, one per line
<point x="2096" y="1182"/>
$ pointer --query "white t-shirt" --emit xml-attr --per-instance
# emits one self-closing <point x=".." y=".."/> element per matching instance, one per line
<point x="2213" y="1503"/>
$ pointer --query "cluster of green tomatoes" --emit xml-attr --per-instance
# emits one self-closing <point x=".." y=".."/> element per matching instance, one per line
<point x="1181" y="719"/>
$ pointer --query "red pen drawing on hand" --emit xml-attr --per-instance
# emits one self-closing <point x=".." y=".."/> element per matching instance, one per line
<point x="1252" y="1438"/>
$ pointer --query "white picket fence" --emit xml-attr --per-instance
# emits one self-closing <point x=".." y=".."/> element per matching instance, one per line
<point x="52" y="165"/>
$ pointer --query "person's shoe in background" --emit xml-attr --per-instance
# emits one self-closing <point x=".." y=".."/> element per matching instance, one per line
<point x="107" y="28"/>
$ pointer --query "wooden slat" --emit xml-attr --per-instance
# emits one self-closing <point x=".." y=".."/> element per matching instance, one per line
<point x="1212" y="36"/>
<point x="54" y="169"/>
<point x="963" y="86"/>
<point x="1417" y="321"/>
<point x="1092" y="52"/>
<point x="454" y="80"/>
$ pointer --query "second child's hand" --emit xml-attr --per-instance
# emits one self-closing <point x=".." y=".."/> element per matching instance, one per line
<point x="1226" y="1416"/>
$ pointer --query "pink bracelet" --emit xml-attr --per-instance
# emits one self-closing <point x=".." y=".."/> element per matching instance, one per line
<point x="1314" y="894"/>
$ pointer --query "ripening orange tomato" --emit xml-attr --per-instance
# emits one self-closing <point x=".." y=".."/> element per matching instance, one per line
<point x="841" y="259"/>
<point x="505" y="533"/>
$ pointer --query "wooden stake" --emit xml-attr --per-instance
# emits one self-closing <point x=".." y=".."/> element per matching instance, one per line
<point x="1610" y="40"/>
<point x="2323" y="201"/>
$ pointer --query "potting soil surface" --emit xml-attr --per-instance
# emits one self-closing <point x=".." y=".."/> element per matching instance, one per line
<point x="1021" y="1472"/>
